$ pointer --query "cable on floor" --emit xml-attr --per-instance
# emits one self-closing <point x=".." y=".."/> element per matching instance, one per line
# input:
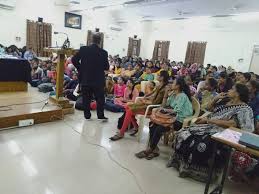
<point x="111" y="157"/>
<point x="25" y="103"/>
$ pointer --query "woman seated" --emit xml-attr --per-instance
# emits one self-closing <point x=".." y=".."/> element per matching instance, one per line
<point x="253" y="87"/>
<point x="147" y="75"/>
<point x="129" y="72"/>
<point x="155" y="97"/>
<point x="130" y="94"/>
<point x="177" y="102"/>
<point x="192" y="150"/>
<point x="119" y="88"/>
<point x="109" y="86"/>
<point x="207" y="93"/>
<point x="150" y="87"/>
<point x="189" y="82"/>
<point x="225" y="83"/>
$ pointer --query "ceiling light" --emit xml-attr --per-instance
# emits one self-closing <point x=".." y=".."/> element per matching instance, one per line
<point x="76" y="2"/>
<point x="147" y="16"/>
<point x="222" y="16"/>
<point x="99" y="7"/>
<point x="147" y="20"/>
<point x="137" y="2"/>
<point x="179" y="18"/>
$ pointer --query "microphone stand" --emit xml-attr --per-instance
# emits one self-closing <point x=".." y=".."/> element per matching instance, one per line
<point x="66" y="43"/>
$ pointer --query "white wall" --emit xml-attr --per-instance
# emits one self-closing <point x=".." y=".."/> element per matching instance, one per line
<point x="13" y="22"/>
<point x="228" y="39"/>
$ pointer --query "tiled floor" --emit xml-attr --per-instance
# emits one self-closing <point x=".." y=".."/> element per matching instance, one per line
<point x="76" y="157"/>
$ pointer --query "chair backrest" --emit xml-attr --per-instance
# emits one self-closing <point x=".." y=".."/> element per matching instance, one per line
<point x="196" y="107"/>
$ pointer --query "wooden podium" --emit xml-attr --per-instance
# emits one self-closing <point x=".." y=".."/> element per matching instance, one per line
<point x="67" y="107"/>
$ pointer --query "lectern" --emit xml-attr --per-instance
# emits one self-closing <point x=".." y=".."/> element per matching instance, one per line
<point x="59" y="98"/>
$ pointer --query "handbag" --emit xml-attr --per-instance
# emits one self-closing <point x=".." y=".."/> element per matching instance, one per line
<point x="163" y="117"/>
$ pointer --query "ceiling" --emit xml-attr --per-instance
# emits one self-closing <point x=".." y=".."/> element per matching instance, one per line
<point x="150" y="10"/>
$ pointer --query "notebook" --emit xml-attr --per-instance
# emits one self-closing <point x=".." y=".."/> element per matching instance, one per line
<point x="250" y="140"/>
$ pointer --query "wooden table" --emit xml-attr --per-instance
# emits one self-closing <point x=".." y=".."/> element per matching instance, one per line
<point x="230" y="145"/>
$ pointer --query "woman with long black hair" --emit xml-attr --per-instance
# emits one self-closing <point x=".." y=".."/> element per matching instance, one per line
<point x="179" y="103"/>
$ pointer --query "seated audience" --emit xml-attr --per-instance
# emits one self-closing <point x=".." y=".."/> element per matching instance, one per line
<point x="139" y="108"/>
<point x="29" y="54"/>
<point x="138" y="71"/>
<point x="70" y="87"/>
<point x="129" y="72"/>
<point x="253" y="87"/>
<point x="201" y="84"/>
<point x="189" y="82"/>
<point x="117" y="70"/>
<point x="225" y="83"/>
<point x="109" y="86"/>
<point x="178" y="103"/>
<point x="150" y="65"/>
<point x="130" y="94"/>
<point x="165" y="67"/>
<point x="147" y="75"/>
<point x="206" y="94"/>
<point x="157" y="66"/>
<point x="14" y="51"/>
<point x="37" y="73"/>
<point x="243" y="78"/>
<point x="202" y="72"/>
<point x="119" y="88"/>
<point x="193" y="145"/>
<point x="183" y="71"/>
<point x="215" y="72"/>
<point x="150" y="87"/>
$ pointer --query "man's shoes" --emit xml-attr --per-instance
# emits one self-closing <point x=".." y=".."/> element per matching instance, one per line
<point x="87" y="117"/>
<point x="103" y="119"/>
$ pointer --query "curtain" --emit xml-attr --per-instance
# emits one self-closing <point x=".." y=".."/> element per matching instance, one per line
<point x="161" y="50"/>
<point x="165" y="50"/>
<point x="155" y="51"/>
<point x="130" y="47"/>
<point x="89" y="38"/>
<point x="195" y="52"/>
<point x="134" y="47"/>
<point x="138" y="48"/>
<point x="39" y="36"/>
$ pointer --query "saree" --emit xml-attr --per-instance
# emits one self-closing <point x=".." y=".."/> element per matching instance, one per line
<point x="193" y="146"/>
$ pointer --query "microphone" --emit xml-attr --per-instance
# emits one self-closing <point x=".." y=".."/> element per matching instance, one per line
<point x="66" y="43"/>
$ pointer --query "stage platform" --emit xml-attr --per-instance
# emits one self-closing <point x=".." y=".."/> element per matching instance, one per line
<point x="16" y="106"/>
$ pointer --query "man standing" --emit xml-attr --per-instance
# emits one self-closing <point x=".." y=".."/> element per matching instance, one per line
<point x="91" y="63"/>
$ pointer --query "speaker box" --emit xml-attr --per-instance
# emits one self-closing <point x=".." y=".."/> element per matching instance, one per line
<point x="40" y="19"/>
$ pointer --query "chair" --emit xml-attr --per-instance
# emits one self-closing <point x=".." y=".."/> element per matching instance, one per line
<point x="196" y="112"/>
<point x="143" y="117"/>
